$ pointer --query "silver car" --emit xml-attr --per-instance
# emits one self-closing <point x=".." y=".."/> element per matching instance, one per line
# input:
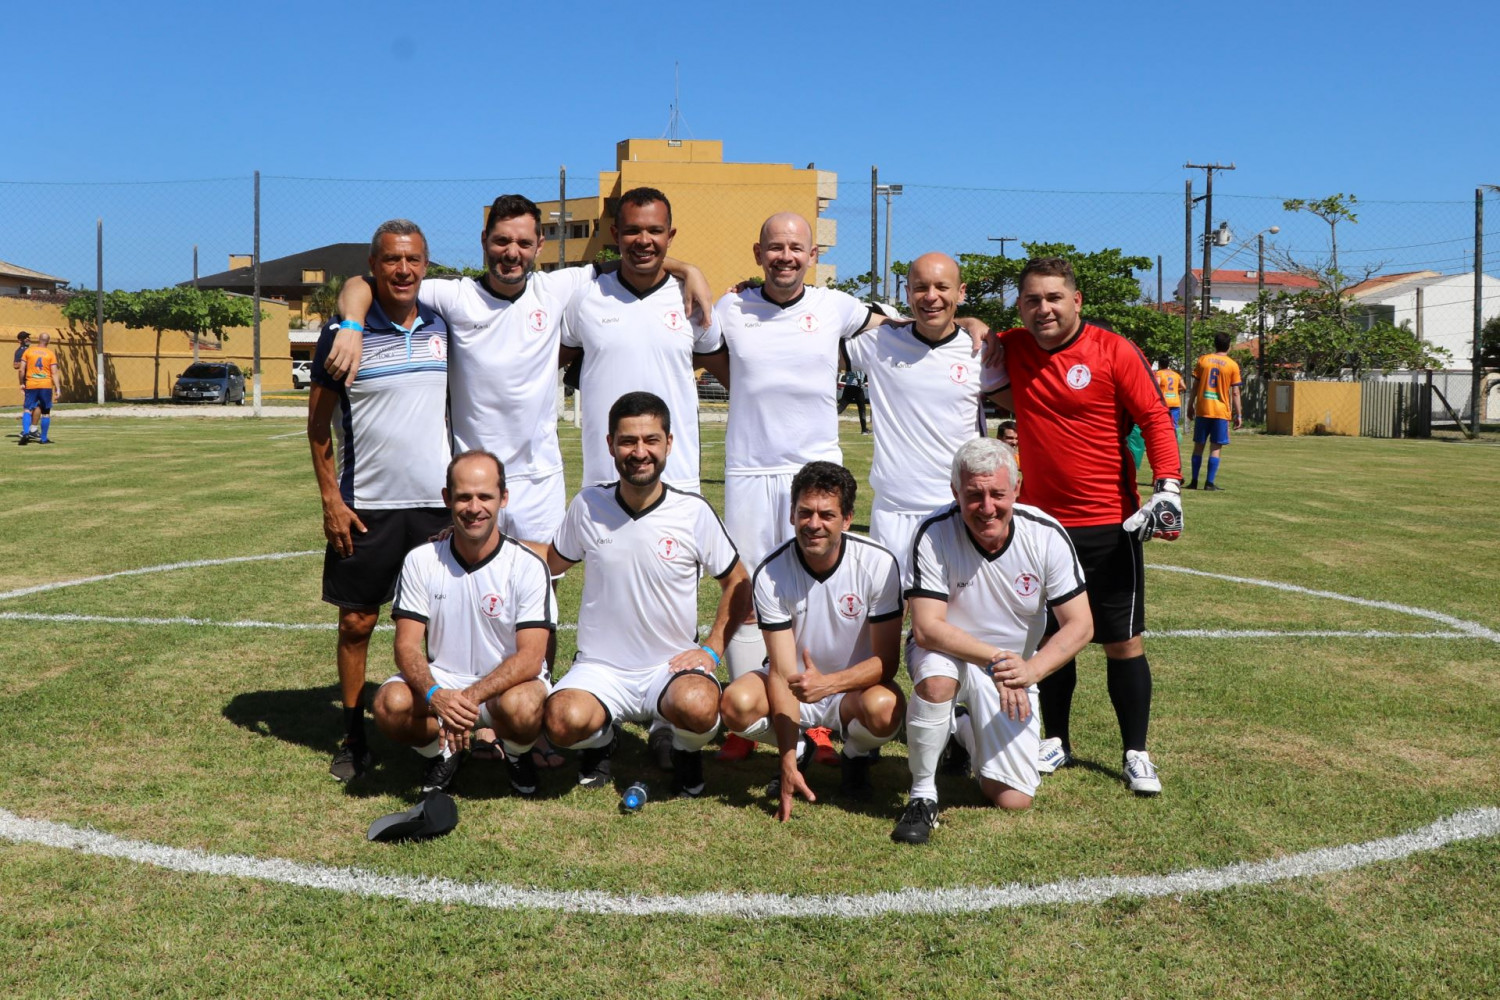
<point x="210" y="382"/>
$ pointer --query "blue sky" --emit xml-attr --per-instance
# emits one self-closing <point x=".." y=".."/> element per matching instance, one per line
<point x="1393" y="102"/>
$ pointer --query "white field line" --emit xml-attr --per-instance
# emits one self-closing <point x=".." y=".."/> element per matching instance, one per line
<point x="42" y="588"/>
<point x="1471" y="824"/>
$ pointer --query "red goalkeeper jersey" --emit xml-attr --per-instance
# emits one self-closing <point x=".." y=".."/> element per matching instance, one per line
<point x="1074" y="407"/>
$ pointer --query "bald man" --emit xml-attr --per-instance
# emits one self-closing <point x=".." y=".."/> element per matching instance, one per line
<point x="925" y="399"/>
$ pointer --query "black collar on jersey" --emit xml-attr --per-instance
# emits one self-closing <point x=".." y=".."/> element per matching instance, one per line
<point x="1071" y="340"/>
<point x="801" y="294"/>
<point x="989" y="556"/>
<point x="484" y="282"/>
<point x="638" y="293"/>
<point x="934" y="344"/>
<point x="636" y="515"/>
<point x="481" y="563"/>
<point x="823" y="577"/>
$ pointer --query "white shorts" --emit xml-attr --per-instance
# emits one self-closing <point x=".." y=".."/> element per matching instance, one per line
<point x="535" y="508"/>
<point x="457" y="682"/>
<point x="629" y="695"/>
<point x="897" y="531"/>
<point x="758" y="514"/>
<point x="820" y="714"/>
<point x="1004" y="750"/>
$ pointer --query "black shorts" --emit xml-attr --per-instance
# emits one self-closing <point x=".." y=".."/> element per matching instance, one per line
<point x="1115" y="574"/>
<point x="367" y="579"/>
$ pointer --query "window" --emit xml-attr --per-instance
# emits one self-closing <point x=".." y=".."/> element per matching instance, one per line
<point x="312" y="276"/>
<point x="578" y="231"/>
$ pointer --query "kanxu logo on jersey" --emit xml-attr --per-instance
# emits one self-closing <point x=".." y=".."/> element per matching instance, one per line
<point x="492" y="605"/>
<point x="536" y="320"/>
<point x="851" y="605"/>
<point x="807" y="323"/>
<point x="1027" y="584"/>
<point x="960" y="372"/>
<point x="667" y="547"/>
<point x="1079" y="376"/>
<point x="673" y="319"/>
<point x="437" y="346"/>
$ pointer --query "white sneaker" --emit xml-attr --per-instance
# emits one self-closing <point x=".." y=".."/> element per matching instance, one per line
<point x="1051" y="756"/>
<point x="1140" y="773"/>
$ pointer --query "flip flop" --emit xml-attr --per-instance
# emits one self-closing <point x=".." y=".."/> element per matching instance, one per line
<point x="434" y="816"/>
<point x="545" y="755"/>
<point x="481" y="749"/>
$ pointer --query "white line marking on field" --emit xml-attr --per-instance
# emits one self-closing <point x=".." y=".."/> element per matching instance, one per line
<point x="292" y="434"/>
<point x="69" y="618"/>
<point x="163" y="568"/>
<point x="1471" y="824"/>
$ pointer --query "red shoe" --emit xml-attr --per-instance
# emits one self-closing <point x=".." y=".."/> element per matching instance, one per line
<point x="736" y="748"/>
<point x="822" y="738"/>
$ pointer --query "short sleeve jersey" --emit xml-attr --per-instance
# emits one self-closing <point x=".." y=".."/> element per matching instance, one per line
<point x="473" y="612"/>
<point x="999" y="597"/>
<point x="1171" y="387"/>
<point x="640" y="573"/>
<point x="1213" y="377"/>
<point x="784" y="361"/>
<point x="502" y="366"/>
<point x="926" y="400"/>
<point x="37" y="362"/>
<point x="1076" y="404"/>
<point x="829" y="613"/>
<point x="20" y="351"/>
<point x="391" y="430"/>
<point x="634" y="341"/>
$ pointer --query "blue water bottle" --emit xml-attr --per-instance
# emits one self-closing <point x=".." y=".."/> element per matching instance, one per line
<point x="635" y="796"/>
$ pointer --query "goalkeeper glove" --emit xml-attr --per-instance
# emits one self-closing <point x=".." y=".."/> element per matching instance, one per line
<point x="1161" y="516"/>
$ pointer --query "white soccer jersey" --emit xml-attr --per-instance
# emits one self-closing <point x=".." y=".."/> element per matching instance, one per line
<point x="783" y="362"/>
<point x="391" y="431"/>
<point x="640" y="573"/>
<point x="502" y="371"/>
<point x="473" y="613"/>
<point x="1000" y="598"/>
<point x="926" y="401"/>
<point x="829" y="614"/>
<point x="637" y="343"/>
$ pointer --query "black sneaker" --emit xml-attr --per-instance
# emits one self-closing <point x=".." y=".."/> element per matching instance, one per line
<point x="352" y="761"/>
<point x="854" y="777"/>
<point x="523" y="776"/>
<point x="441" y="771"/>
<point x="593" y="764"/>
<point x="659" y="746"/>
<point x="24" y="440"/>
<point x="1213" y="488"/>
<point x="917" y="822"/>
<point x="687" y="773"/>
<point x="1192" y="485"/>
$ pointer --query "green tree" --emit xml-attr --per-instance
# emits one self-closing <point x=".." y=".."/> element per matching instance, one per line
<point x="324" y="300"/>
<point x="1489" y="343"/>
<point x="1334" y="209"/>
<point x="859" y="286"/>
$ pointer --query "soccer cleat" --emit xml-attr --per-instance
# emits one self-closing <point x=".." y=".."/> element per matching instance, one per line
<point x="1051" y="755"/>
<point x="593" y="764"/>
<point x="44" y="441"/>
<point x="352" y="761"/>
<point x="659" y="746"/>
<point x="687" y="773"/>
<point x="523" y="776"/>
<point x="918" y="820"/>
<point x="822" y="739"/>
<point x="735" y="749"/>
<point x="854" y="778"/>
<point x="1192" y="485"/>
<point x="1140" y="773"/>
<point x="441" y="771"/>
<point x="23" y="440"/>
<point x="1212" y="488"/>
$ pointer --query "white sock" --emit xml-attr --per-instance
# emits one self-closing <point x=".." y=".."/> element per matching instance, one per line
<point x="756" y="730"/>
<point x="964" y="733"/>
<point x="686" y="739"/>
<point x="746" y="652"/>
<point x="599" y="738"/>
<point x="516" y="749"/>
<point x="433" y="749"/>
<point x="926" y="735"/>
<point x="859" y="741"/>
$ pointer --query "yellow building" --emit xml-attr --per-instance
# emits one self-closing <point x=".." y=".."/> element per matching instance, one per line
<point x="717" y="207"/>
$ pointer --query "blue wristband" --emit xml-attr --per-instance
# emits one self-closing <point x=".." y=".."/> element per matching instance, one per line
<point x="711" y="653"/>
<point x="354" y="325"/>
<point x="429" y="692"/>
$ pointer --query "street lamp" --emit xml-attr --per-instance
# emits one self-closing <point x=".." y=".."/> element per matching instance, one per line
<point x="888" y="190"/>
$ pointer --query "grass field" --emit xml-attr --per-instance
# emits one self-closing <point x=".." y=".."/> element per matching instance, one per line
<point x="205" y="736"/>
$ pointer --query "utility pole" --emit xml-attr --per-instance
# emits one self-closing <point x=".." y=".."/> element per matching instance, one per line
<point x="1260" y="302"/>
<point x="1187" y="279"/>
<point x="888" y="190"/>
<point x="874" y="233"/>
<point x="1208" y="225"/>
<point x="562" y="219"/>
<point x="1002" y="240"/>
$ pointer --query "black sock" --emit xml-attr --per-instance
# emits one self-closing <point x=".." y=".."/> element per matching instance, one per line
<point x="1130" y="691"/>
<point x="354" y="724"/>
<point x="1055" y="697"/>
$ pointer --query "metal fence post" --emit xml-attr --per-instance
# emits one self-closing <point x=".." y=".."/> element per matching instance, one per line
<point x="1478" y="309"/>
<point x="99" y="311"/>
<point x="255" y="339"/>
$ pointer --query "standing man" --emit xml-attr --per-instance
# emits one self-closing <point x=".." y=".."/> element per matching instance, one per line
<point x="634" y="335"/>
<point x="1078" y="389"/>
<point x="40" y="379"/>
<point x="473" y="615"/>
<point x="382" y="494"/>
<point x="829" y="603"/>
<point x="639" y="658"/>
<point x="23" y="341"/>
<point x="1171" y="384"/>
<point x="1214" y="403"/>
<point x="985" y="575"/>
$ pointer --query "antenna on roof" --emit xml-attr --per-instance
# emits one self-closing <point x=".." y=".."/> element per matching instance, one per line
<point x="676" y="118"/>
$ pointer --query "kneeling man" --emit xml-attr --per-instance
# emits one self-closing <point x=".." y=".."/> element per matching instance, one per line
<point x="984" y="573"/>
<point x="482" y="603"/>
<point x="639" y="659"/>
<point x="829" y="607"/>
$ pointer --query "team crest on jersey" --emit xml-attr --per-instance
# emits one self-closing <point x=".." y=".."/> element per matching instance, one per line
<point x="960" y="372"/>
<point x="437" y="347"/>
<point x="807" y="323"/>
<point x="667" y="547"/>
<point x="536" y="320"/>
<point x="492" y="605"/>
<point x="851" y="606"/>
<point x="1079" y="376"/>
<point x="673" y="320"/>
<point x="1027" y="584"/>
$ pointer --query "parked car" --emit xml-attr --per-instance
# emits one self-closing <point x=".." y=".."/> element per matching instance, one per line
<point x="301" y="374"/>
<point x="210" y="382"/>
